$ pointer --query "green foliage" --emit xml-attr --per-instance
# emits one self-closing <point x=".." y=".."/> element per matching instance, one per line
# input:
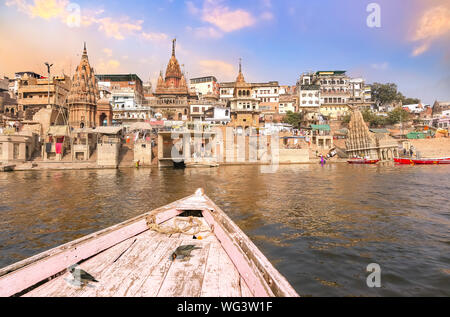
<point x="346" y="118"/>
<point x="410" y="101"/>
<point x="384" y="94"/>
<point x="373" y="119"/>
<point x="397" y="115"/>
<point x="293" y="118"/>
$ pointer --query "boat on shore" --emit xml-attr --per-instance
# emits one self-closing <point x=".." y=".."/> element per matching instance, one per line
<point x="136" y="259"/>
<point x="423" y="161"/>
<point x="362" y="161"/>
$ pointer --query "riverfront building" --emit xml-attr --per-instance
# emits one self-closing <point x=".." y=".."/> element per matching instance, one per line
<point x="126" y="96"/>
<point x="244" y="107"/>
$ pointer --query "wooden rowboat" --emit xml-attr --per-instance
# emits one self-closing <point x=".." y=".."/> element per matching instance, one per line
<point x="362" y="161"/>
<point x="424" y="161"/>
<point x="134" y="259"/>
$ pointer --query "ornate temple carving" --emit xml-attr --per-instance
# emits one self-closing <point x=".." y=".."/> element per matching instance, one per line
<point x="83" y="95"/>
<point x="174" y="82"/>
<point x="172" y="94"/>
<point x="363" y="143"/>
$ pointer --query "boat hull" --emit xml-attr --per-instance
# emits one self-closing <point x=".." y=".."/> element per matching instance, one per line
<point x="430" y="161"/>
<point x="363" y="161"/>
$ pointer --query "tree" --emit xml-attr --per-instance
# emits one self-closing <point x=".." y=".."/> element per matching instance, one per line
<point x="397" y="115"/>
<point x="384" y="94"/>
<point x="294" y="119"/>
<point x="410" y="101"/>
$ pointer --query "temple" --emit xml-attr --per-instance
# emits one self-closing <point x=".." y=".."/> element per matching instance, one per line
<point x="172" y="93"/>
<point x="244" y="108"/>
<point x="83" y="96"/>
<point x="363" y="143"/>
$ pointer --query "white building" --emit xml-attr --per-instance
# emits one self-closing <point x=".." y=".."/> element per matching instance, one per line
<point x="266" y="92"/>
<point x="205" y="86"/>
<point x="218" y="115"/>
<point x="287" y="103"/>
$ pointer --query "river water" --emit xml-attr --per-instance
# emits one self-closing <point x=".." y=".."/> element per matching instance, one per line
<point x="319" y="226"/>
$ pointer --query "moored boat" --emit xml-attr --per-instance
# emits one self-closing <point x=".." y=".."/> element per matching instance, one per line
<point x="139" y="258"/>
<point x="423" y="161"/>
<point x="362" y="161"/>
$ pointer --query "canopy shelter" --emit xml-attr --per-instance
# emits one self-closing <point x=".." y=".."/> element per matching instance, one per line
<point x="320" y="127"/>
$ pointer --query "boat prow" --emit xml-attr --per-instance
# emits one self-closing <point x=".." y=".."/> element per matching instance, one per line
<point x="135" y="258"/>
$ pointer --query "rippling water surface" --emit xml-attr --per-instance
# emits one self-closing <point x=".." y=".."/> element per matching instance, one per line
<point x="320" y="227"/>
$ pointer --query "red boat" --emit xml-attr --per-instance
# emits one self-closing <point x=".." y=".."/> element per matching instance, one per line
<point x="427" y="161"/>
<point x="362" y="161"/>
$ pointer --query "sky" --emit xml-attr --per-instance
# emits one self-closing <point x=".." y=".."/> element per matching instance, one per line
<point x="402" y="41"/>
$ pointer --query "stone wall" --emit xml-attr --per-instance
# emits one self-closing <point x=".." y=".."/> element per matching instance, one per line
<point x="143" y="153"/>
<point x="294" y="156"/>
<point x="108" y="154"/>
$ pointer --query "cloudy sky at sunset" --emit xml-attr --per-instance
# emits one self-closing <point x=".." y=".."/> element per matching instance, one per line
<point x="277" y="39"/>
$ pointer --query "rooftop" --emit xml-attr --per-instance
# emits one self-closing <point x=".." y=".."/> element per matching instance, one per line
<point x="118" y="77"/>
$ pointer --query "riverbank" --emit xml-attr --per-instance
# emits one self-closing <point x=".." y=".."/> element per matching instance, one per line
<point x="43" y="166"/>
<point x="432" y="148"/>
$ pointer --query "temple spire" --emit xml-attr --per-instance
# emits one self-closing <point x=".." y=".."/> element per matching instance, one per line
<point x="174" y="41"/>
<point x="84" y="50"/>
<point x="240" y="65"/>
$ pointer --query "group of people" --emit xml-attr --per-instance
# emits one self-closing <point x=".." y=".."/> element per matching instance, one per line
<point x="410" y="152"/>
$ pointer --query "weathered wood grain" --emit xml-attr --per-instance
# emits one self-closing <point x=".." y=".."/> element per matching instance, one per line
<point x="185" y="277"/>
<point x="58" y="287"/>
<point x="221" y="276"/>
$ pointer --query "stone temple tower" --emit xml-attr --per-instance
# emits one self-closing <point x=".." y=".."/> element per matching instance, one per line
<point x="83" y="96"/>
<point x="360" y="141"/>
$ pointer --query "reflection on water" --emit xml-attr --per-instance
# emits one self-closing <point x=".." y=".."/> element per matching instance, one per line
<point x="319" y="226"/>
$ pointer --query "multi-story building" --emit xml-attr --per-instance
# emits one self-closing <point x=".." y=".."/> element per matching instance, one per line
<point x="205" y="86"/>
<point x="218" y="115"/>
<point x="126" y="95"/>
<point x="360" y="94"/>
<point x="287" y="103"/>
<point x="8" y="105"/>
<point x="308" y="87"/>
<point x="266" y="93"/>
<point x="244" y="107"/>
<point x="334" y="93"/>
<point x="34" y="94"/>
<point x="14" y="82"/>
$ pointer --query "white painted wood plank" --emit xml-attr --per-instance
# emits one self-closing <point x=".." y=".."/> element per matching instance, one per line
<point x="245" y="290"/>
<point x="221" y="276"/>
<point x="185" y="278"/>
<point x="58" y="287"/>
<point x="116" y="274"/>
<point x="158" y="271"/>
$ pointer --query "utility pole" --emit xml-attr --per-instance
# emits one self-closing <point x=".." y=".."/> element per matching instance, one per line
<point x="48" y="70"/>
